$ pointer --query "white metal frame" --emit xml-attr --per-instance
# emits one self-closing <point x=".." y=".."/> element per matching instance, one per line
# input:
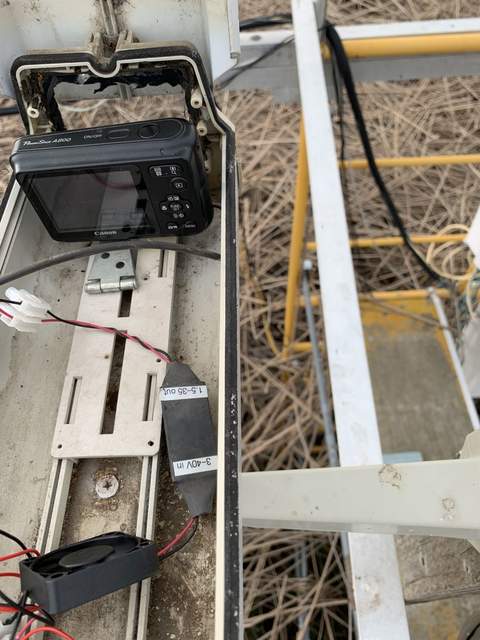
<point x="423" y="498"/>
<point x="367" y="500"/>
<point x="278" y="71"/>
<point x="373" y="561"/>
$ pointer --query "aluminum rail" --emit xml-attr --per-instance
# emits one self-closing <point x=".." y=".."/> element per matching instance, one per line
<point x="376" y="581"/>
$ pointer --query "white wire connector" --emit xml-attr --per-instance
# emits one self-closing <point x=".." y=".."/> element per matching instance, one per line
<point x="27" y="315"/>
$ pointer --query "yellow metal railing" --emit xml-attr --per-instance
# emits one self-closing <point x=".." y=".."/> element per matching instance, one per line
<point x="387" y="47"/>
<point x="414" y="161"/>
<point x="293" y="299"/>
<point x="296" y="244"/>
<point x="410" y="46"/>
<point x="397" y="241"/>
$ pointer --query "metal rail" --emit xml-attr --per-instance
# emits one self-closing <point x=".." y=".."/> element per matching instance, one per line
<point x="426" y="498"/>
<point x="397" y="241"/>
<point x="297" y="238"/>
<point x="415" y="161"/>
<point x="396" y="51"/>
<point x="373" y="559"/>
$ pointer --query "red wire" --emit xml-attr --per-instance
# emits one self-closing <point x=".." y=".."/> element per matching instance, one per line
<point x="19" y="553"/>
<point x="124" y="334"/>
<point x="4" y="608"/>
<point x="92" y="325"/>
<point x="178" y="538"/>
<point x="57" y="632"/>
<point x="30" y="608"/>
<point x="24" y="629"/>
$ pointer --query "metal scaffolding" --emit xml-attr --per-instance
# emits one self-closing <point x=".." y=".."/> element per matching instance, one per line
<point x="364" y="496"/>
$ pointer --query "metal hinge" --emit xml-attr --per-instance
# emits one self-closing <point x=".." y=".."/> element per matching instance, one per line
<point x="111" y="271"/>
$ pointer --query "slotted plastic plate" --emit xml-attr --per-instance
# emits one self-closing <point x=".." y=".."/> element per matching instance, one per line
<point x="137" y="422"/>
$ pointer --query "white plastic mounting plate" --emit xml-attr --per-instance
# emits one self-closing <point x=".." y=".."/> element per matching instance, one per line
<point x="211" y="26"/>
<point x="135" y="430"/>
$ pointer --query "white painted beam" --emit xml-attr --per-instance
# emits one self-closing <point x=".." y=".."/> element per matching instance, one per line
<point x="373" y="560"/>
<point x="437" y="498"/>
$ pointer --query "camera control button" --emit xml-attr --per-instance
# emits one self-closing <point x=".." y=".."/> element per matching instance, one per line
<point x="118" y="134"/>
<point x="175" y="207"/>
<point x="164" y="207"/>
<point x="180" y="184"/>
<point x="187" y="206"/>
<point x="166" y="170"/>
<point x="190" y="226"/>
<point x="173" y="197"/>
<point x="173" y="226"/>
<point x="148" y="131"/>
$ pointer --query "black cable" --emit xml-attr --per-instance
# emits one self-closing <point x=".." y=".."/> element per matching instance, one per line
<point x="343" y="64"/>
<point x="79" y="323"/>
<point x="3" y="533"/>
<point x="248" y="65"/>
<point x="105" y="248"/>
<point x="265" y="21"/>
<point x="183" y="543"/>
<point x="18" y="616"/>
<point x="24" y="611"/>
<point x="341" y="122"/>
<point x="8" y="111"/>
<point x="473" y="632"/>
<point x="236" y="71"/>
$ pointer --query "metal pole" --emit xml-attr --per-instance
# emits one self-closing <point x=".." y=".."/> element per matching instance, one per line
<point x="374" y="559"/>
<point x="296" y="244"/>
<point x="414" y="161"/>
<point x="397" y="241"/>
<point x="329" y="429"/>
<point x="414" y="45"/>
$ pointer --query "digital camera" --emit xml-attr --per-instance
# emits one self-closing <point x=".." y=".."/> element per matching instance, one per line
<point x="116" y="182"/>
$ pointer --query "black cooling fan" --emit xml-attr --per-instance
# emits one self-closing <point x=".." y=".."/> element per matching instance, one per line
<point x="81" y="572"/>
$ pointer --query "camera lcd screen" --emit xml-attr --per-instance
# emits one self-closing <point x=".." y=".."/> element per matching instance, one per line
<point x="110" y="199"/>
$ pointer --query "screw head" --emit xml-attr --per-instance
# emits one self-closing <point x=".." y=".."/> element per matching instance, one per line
<point x="106" y="486"/>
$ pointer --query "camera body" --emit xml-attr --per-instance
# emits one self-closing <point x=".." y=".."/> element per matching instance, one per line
<point x="116" y="182"/>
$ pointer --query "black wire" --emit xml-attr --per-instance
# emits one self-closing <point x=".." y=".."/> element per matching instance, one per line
<point x="337" y="49"/>
<point x="17" y="618"/>
<point x="473" y="632"/>
<point x="3" y="533"/>
<point x="248" y="65"/>
<point x="79" y="323"/>
<point x="118" y="332"/>
<point x="16" y="605"/>
<point x="265" y="21"/>
<point x="106" y="247"/>
<point x="183" y="543"/>
<point x="341" y="122"/>
<point x="8" y="111"/>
